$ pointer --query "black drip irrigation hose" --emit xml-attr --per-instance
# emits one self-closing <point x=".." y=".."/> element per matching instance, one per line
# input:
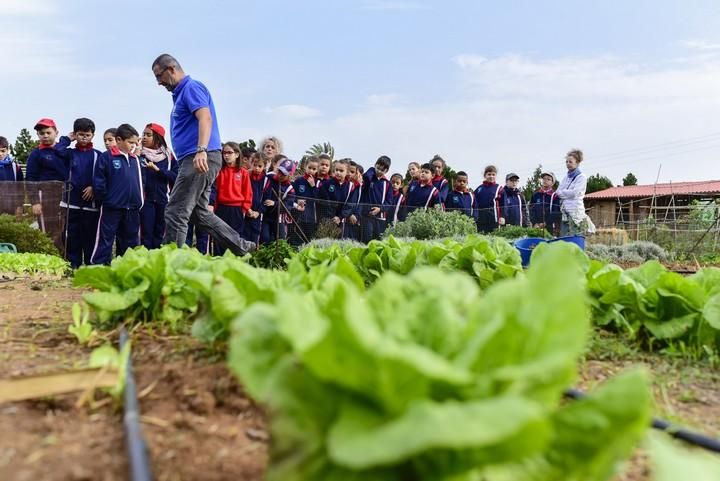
<point x="134" y="440"/>
<point x="696" y="439"/>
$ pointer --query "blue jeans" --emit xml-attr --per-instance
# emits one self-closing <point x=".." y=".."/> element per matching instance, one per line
<point x="189" y="203"/>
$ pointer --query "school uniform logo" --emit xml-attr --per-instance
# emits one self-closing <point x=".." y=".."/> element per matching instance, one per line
<point x="116" y="163"/>
<point x="456" y="199"/>
<point x="412" y="187"/>
<point x="331" y="188"/>
<point x="238" y="176"/>
<point x="301" y="189"/>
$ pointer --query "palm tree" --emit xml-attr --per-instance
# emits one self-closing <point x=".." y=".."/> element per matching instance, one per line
<point x="324" y="148"/>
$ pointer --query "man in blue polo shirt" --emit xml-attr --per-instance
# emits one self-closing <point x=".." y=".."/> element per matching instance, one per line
<point x="196" y="140"/>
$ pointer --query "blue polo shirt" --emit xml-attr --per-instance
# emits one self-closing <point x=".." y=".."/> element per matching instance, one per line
<point x="189" y="96"/>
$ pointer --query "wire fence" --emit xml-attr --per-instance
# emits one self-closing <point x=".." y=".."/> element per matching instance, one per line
<point x="683" y="225"/>
<point x="18" y="199"/>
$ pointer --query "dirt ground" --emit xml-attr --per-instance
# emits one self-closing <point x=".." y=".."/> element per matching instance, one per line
<point x="196" y="419"/>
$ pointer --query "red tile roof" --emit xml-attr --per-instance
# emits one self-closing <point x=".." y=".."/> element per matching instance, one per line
<point x="659" y="190"/>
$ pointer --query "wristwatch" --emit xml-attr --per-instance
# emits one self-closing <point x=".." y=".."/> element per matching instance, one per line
<point x="200" y="148"/>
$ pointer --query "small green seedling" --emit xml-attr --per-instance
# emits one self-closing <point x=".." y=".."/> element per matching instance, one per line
<point x="108" y="356"/>
<point x="81" y="327"/>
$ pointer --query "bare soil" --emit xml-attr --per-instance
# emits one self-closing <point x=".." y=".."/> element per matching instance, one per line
<point x="197" y="421"/>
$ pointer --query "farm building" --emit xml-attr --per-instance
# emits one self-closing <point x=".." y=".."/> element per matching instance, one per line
<point x="669" y="204"/>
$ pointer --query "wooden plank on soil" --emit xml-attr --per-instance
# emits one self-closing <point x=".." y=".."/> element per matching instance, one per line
<point x="32" y="387"/>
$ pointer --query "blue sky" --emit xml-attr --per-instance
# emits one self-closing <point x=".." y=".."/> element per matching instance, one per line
<point x="635" y="84"/>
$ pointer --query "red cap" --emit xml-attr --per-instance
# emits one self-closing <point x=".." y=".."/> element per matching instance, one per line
<point x="157" y="128"/>
<point x="45" y="123"/>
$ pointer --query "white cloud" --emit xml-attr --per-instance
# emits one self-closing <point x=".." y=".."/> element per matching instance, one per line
<point x="518" y="112"/>
<point x="700" y="45"/>
<point x="294" y="112"/>
<point x="467" y="61"/>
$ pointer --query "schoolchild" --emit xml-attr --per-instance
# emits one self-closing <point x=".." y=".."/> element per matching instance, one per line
<point x="109" y="138"/>
<point x="460" y="198"/>
<point x="324" y="165"/>
<point x="513" y="207"/>
<point x="545" y="205"/>
<point x="397" y="198"/>
<point x="439" y="181"/>
<point x="117" y="185"/>
<point x="338" y="194"/>
<point x="160" y="169"/>
<point x="252" y="229"/>
<point x="278" y="199"/>
<point x="79" y="203"/>
<point x="233" y="191"/>
<point x="305" y="194"/>
<point x="487" y="208"/>
<point x="424" y="194"/>
<point x="375" y="200"/>
<point x="48" y="163"/>
<point x="12" y="199"/>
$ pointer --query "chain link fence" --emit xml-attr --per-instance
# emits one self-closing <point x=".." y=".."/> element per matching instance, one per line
<point x="18" y="198"/>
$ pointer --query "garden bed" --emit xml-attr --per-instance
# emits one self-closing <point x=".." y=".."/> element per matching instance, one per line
<point x="196" y="419"/>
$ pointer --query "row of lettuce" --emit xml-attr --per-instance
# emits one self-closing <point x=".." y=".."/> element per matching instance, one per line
<point x="414" y="361"/>
<point x="657" y="307"/>
<point x="403" y="361"/>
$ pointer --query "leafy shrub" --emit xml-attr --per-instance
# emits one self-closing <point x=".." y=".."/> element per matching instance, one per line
<point x="326" y="243"/>
<point x="273" y="255"/>
<point x="518" y="232"/>
<point x="25" y="238"/>
<point x="327" y="229"/>
<point x="433" y="224"/>
<point x="635" y="252"/>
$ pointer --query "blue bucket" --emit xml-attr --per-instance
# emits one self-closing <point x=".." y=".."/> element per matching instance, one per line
<point x="578" y="240"/>
<point x="526" y="246"/>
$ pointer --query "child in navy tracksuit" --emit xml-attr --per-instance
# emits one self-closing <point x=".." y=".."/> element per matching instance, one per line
<point x="118" y="187"/>
<point x="513" y="207"/>
<point x="47" y="163"/>
<point x="305" y="193"/>
<point x="352" y="226"/>
<point x="461" y="199"/>
<point x="10" y="171"/>
<point x="337" y="196"/>
<point x="233" y="192"/>
<point x="82" y="211"/>
<point x="545" y="205"/>
<point x="278" y="199"/>
<point x="486" y="208"/>
<point x="397" y="198"/>
<point x="423" y="194"/>
<point x="375" y="200"/>
<point x="160" y="169"/>
<point x="440" y="182"/>
<point x="252" y="229"/>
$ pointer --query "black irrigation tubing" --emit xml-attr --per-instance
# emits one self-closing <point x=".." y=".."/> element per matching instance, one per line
<point x="696" y="439"/>
<point x="134" y="440"/>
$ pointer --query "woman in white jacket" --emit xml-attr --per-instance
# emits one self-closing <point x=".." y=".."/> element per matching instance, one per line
<point x="571" y="192"/>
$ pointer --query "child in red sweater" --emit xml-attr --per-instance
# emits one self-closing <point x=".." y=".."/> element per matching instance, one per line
<point x="233" y="191"/>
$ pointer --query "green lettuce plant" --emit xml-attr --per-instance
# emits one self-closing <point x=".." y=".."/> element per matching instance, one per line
<point x="424" y="377"/>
